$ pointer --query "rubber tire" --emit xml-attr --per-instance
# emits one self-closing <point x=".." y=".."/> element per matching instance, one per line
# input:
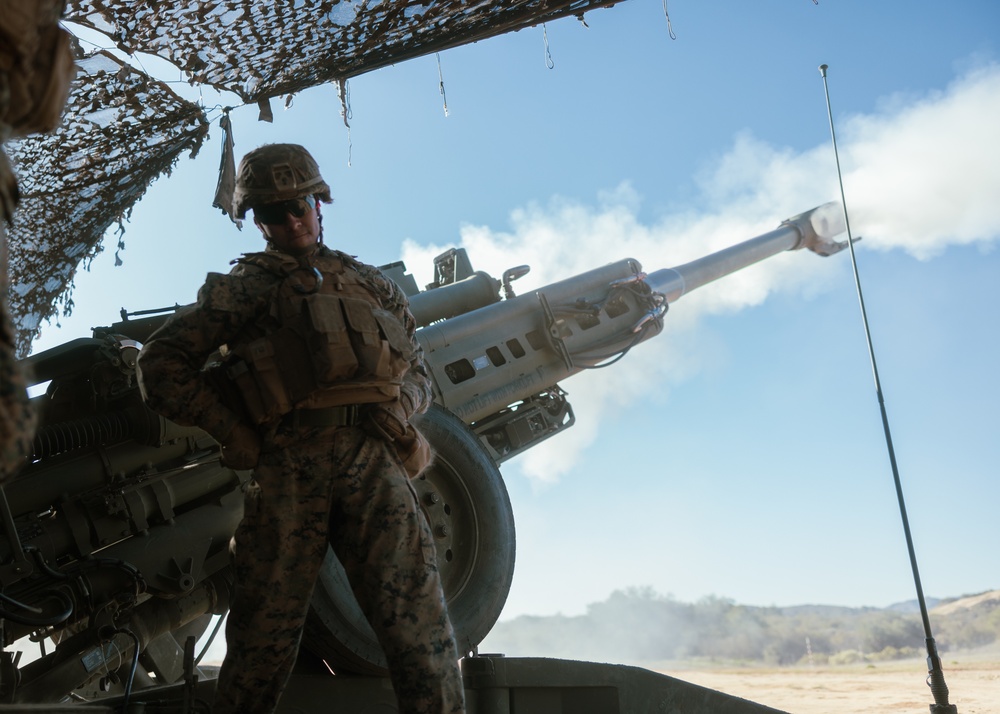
<point x="473" y="525"/>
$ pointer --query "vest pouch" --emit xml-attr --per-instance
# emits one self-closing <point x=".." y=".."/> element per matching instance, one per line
<point x="239" y="377"/>
<point x="330" y="349"/>
<point x="274" y="398"/>
<point x="371" y="349"/>
<point x="294" y="363"/>
<point x="399" y="342"/>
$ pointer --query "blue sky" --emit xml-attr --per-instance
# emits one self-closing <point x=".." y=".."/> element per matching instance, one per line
<point x="739" y="454"/>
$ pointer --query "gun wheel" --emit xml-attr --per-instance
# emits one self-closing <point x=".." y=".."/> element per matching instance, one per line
<point x="466" y="503"/>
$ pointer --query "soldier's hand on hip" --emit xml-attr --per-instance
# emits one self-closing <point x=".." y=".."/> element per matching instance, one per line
<point x="241" y="449"/>
<point x="388" y="421"/>
<point x="385" y="420"/>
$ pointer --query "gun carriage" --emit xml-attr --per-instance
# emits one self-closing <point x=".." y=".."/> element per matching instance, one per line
<point x="114" y="536"/>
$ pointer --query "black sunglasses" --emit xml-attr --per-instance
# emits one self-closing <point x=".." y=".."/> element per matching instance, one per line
<point x="274" y="213"/>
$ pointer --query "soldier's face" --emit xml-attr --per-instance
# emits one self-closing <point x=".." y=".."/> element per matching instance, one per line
<point x="296" y="235"/>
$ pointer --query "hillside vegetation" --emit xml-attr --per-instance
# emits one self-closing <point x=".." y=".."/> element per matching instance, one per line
<point x="641" y="626"/>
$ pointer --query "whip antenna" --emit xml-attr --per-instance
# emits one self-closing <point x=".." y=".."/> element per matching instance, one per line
<point x="935" y="675"/>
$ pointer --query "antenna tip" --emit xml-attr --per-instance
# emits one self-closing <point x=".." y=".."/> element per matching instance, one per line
<point x="822" y="69"/>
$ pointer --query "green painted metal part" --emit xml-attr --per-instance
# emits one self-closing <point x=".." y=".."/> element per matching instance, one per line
<point x="494" y="684"/>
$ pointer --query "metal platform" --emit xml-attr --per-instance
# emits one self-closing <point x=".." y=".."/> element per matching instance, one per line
<point x="533" y="685"/>
<point x="493" y="685"/>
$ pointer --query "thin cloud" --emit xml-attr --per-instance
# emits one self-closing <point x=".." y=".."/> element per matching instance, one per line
<point x="926" y="175"/>
<point x="919" y="175"/>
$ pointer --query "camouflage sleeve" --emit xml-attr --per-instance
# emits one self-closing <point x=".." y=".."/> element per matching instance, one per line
<point x="170" y="363"/>
<point x="416" y="394"/>
<point x="17" y="420"/>
<point x="417" y="383"/>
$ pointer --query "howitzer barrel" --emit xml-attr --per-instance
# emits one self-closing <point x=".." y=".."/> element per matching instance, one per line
<point x="813" y="230"/>
<point x="484" y="360"/>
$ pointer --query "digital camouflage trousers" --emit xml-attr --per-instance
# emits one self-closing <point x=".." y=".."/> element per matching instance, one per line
<point x="338" y="486"/>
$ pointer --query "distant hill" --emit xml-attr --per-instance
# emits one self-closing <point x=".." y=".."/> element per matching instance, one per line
<point x="914" y="605"/>
<point x="988" y="600"/>
<point x="639" y="626"/>
<point x="825" y="610"/>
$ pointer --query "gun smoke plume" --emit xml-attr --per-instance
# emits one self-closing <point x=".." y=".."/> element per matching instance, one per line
<point x="920" y="174"/>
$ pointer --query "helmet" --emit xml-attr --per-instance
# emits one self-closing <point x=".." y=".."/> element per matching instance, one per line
<point x="277" y="172"/>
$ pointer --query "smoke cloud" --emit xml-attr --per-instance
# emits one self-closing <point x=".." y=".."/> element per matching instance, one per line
<point x="920" y="174"/>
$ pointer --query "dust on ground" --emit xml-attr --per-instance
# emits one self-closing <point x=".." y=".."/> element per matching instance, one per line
<point x="973" y="681"/>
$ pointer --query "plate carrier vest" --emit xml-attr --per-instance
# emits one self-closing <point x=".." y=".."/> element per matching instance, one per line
<point x="325" y="340"/>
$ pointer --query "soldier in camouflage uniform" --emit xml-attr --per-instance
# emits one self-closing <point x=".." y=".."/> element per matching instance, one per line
<point x="36" y="68"/>
<point x="322" y="372"/>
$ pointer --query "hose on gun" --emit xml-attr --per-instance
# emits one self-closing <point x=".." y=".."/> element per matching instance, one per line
<point x="36" y="621"/>
<point x="82" y="566"/>
<point x="615" y="356"/>
<point x="89" y="564"/>
<point x="655" y="304"/>
<point x="108" y="633"/>
<point x="211" y="638"/>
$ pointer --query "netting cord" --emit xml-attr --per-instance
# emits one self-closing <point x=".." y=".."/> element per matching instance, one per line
<point x="444" y="98"/>
<point x="344" y="93"/>
<point x="226" y="184"/>
<point x="670" y="26"/>
<point x="548" y="55"/>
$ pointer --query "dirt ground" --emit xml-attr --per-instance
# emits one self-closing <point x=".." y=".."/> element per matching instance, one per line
<point x="974" y="686"/>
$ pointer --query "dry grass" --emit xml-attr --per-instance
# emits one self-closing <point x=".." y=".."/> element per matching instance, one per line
<point x="972" y="678"/>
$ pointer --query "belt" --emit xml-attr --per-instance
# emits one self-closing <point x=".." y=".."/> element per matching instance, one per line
<point x="327" y="416"/>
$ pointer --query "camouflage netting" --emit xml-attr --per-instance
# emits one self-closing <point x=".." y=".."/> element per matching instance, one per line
<point x="123" y="129"/>
<point x="266" y="49"/>
<point x="120" y="131"/>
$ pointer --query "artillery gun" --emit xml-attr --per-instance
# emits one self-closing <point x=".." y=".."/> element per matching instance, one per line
<point x="114" y="535"/>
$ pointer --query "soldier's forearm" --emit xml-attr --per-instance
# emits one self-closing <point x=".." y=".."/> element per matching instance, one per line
<point x="415" y="392"/>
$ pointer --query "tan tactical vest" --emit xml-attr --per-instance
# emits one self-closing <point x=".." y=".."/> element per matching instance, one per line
<point x="325" y="341"/>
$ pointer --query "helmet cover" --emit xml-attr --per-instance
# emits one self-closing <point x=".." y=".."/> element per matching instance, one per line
<point x="277" y="172"/>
